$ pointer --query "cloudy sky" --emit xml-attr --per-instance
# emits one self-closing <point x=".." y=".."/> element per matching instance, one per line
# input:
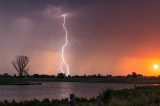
<point x="105" y="36"/>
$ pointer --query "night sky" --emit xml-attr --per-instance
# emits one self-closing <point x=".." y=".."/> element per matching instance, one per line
<point x="105" y="36"/>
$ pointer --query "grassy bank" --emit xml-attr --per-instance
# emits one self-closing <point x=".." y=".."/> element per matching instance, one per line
<point x="47" y="102"/>
<point x="12" y="81"/>
<point x="141" y="96"/>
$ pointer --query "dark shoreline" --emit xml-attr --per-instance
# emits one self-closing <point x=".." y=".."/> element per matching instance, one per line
<point x="24" y="83"/>
<point x="38" y="81"/>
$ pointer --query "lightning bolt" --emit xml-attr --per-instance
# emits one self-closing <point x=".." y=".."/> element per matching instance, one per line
<point x="63" y="62"/>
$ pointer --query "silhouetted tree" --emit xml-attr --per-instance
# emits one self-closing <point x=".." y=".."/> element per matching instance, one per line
<point x="134" y="74"/>
<point x="61" y="75"/>
<point x="20" y="64"/>
<point x="140" y="75"/>
<point x="6" y="75"/>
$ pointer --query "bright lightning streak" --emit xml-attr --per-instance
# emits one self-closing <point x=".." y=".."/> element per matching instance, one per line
<point x="63" y="62"/>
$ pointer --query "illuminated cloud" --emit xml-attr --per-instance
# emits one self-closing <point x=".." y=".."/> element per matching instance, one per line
<point x="53" y="12"/>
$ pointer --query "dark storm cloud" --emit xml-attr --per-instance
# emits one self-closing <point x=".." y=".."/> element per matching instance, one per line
<point x="35" y="14"/>
<point x="106" y="30"/>
<point x="23" y="7"/>
<point x="26" y="27"/>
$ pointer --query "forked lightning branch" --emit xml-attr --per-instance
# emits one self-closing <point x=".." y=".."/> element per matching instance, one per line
<point x="64" y="65"/>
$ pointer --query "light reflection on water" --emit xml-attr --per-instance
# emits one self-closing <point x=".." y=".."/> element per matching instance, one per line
<point x="57" y="90"/>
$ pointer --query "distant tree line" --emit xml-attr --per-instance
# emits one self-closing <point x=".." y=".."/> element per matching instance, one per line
<point x="62" y="75"/>
<point x="21" y="66"/>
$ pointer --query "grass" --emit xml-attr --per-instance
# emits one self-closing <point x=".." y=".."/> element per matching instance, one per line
<point x="141" y="96"/>
<point x="47" y="102"/>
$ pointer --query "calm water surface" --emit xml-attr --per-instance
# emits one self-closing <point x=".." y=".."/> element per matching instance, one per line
<point x="57" y="90"/>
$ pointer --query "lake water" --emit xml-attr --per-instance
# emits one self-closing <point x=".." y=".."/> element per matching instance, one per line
<point x="57" y="90"/>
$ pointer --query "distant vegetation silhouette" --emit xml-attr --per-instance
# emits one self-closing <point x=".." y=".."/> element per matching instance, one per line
<point x="63" y="76"/>
<point x="21" y="66"/>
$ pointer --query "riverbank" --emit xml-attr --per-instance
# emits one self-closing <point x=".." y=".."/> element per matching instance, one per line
<point x="28" y="81"/>
<point x="47" y="102"/>
<point x="141" y="96"/>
